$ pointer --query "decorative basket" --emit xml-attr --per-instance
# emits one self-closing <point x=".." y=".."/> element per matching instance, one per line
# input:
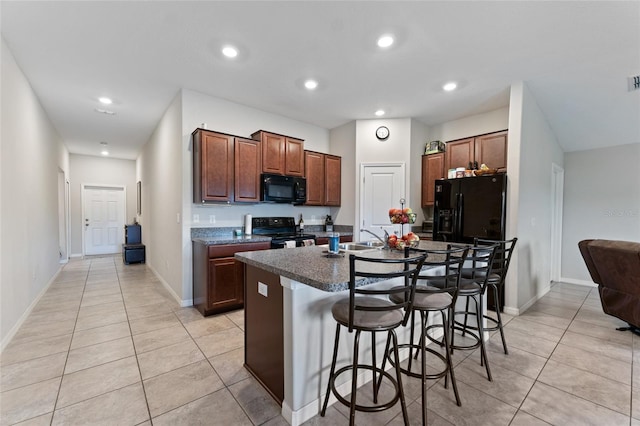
<point x="485" y="172"/>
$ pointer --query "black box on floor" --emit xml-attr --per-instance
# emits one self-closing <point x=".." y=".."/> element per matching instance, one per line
<point x="133" y="253"/>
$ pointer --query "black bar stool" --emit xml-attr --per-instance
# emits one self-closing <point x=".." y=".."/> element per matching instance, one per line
<point x="436" y="292"/>
<point x="497" y="275"/>
<point x="473" y="285"/>
<point x="367" y="309"/>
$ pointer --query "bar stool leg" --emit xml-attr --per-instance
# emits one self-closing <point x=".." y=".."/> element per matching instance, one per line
<point x="384" y="360"/>
<point x="423" y="344"/>
<point x="496" y="297"/>
<point x="449" y="360"/>
<point x="354" y="379"/>
<point x="332" y="372"/>
<point x="480" y="316"/>
<point x="373" y="363"/>
<point x="403" y="403"/>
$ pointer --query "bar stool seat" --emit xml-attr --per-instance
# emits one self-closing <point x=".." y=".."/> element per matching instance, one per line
<point x="380" y="320"/>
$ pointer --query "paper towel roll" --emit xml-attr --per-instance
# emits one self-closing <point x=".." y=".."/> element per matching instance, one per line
<point x="247" y="224"/>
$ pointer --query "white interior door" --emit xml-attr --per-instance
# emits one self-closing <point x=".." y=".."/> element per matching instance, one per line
<point x="104" y="212"/>
<point x="383" y="185"/>
<point x="557" y="195"/>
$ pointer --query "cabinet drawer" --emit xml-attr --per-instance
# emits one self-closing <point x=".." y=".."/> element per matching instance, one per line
<point x="228" y="250"/>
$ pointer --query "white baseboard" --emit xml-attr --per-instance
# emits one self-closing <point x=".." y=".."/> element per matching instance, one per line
<point x="181" y="302"/>
<point x="76" y="256"/>
<point x="523" y="308"/>
<point x="578" y="282"/>
<point x="27" y="312"/>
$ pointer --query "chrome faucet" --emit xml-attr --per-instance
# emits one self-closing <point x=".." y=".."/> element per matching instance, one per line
<point x="386" y="236"/>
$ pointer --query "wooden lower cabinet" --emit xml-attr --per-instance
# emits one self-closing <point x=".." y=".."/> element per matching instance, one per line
<point x="218" y="279"/>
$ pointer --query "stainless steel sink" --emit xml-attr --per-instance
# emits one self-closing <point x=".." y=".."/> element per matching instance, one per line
<point x="372" y="243"/>
<point x="363" y="246"/>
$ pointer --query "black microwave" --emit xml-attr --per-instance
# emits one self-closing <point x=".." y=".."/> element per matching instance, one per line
<point x="283" y="189"/>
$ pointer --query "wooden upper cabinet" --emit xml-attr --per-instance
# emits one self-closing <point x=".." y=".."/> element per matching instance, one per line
<point x="213" y="166"/>
<point x="248" y="166"/>
<point x="333" y="180"/>
<point x="460" y="153"/>
<point x="314" y="173"/>
<point x="281" y="155"/>
<point x="491" y="150"/>
<point x="294" y="157"/>
<point x="323" y="174"/>
<point x="432" y="169"/>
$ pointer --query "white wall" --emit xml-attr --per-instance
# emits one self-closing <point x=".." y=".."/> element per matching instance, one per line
<point x="343" y="143"/>
<point x="31" y="154"/>
<point x="419" y="137"/>
<point x="601" y="200"/>
<point x="159" y="168"/>
<point x="530" y="272"/>
<point x="489" y="122"/>
<point x="91" y="170"/>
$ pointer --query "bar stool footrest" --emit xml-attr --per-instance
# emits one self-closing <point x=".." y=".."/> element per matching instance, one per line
<point x="366" y="408"/>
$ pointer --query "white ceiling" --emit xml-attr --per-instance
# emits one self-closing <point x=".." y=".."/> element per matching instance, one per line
<point x="574" y="56"/>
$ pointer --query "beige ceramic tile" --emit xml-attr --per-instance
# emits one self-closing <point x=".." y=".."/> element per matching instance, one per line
<point x="237" y="317"/>
<point x="230" y="366"/>
<point x="102" y="309"/>
<point x="604" y="333"/>
<point x="599" y="364"/>
<point x="28" y="401"/>
<point x="125" y="406"/>
<point x="188" y="314"/>
<point x="99" y="300"/>
<point x="94" y="321"/>
<point x="524" y="419"/>
<point x="180" y="386"/>
<point x="17" y="352"/>
<point x="414" y="411"/>
<point x="44" y="420"/>
<point x="542" y="318"/>
<point x="155" y="322"/>
<point x="221" y="342"/>
<point x="517" y="339"/>
<point x="156" y="339"/>
<point x="561" y="408"/>
<point x="85" y="384"/>
<point x="44" y="330"/>
<point x="255" y="400"/>
<point x="364" y="396"/>
<point x="32" y="371"/>
<point x="168" y="358"/>
<point x="608" y="393"/>
<point x="209" y="325"/>
<point x="518" y="360"/>
<point x="615" y="350"/>
<point x="100" y="335"/>
<point x="535" y="329"/>
<point x="219" y="405"/>
<point x="148" y="310"/>
<point x="101" y="353"/>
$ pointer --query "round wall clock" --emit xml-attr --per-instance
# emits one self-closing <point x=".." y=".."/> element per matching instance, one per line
<point x="382" y="133"/>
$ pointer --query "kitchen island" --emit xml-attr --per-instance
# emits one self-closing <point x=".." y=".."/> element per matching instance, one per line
<point x="289" y="329"/>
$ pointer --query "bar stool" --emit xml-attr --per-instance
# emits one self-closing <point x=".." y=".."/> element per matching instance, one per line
<point x="476" y="269"/>
<point x="497" y="275"/>
<point x="436" y="292"/>
<point x="367" y="309"/>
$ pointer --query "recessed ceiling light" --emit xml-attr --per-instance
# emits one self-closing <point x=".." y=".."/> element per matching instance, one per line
<point x="104" y="111"/>
<point x="379" y="113"/>
<point x="104" y="152"/>
<point x="450" y="86"/>
<point x="104" y="148"/>
<point x="311" y="84"/>
<point x="106" y="101"/>
<point x="230" y="51"/>
<point x="385" y="41"/>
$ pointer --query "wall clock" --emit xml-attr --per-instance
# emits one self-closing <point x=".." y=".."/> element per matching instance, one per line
<point x="382" y="133"/>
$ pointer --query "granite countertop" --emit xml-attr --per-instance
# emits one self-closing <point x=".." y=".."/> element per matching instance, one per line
<point x="323" y="234"/>
<point x="309" y="265"/>
<point x="230" y="239"/>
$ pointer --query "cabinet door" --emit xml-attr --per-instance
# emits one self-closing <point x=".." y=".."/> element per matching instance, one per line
<point x="432" y="169"/>
<point x="460" y="153"/>
<point x="272" y="153"/>
<point x="332" y="180"/>
<point x="492" y="150"/>
<point x="216" y="167"/>
<point x="314" y="173"/>
<point x="248" y="166"/>
<point x="294" y="157"/>
<point x="226" y="283"/>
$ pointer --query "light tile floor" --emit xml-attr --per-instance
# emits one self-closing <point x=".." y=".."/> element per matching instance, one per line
<point x="108" y="345"/>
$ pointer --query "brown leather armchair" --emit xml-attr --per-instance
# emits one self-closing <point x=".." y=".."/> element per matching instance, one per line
<point x="615" y="267"/>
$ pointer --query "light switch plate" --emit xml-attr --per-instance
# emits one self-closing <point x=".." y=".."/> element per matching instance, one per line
<point x="263" y="289"/>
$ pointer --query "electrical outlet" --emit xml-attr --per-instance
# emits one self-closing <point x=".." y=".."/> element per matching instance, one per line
<point x="178" y="217"/>
<point x="263" y="289"/>
<point x="196" y="218"/>
<point x="313" y="217"/>
<point x="212" y="218"/>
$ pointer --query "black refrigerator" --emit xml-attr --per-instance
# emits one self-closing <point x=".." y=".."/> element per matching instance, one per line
<point x="466" y="208"/>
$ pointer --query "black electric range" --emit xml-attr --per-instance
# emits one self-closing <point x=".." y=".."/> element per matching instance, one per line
<point x="281" y="230"/>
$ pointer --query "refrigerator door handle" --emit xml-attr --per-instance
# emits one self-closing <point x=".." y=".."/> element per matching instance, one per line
<point x="458" y="218"/>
